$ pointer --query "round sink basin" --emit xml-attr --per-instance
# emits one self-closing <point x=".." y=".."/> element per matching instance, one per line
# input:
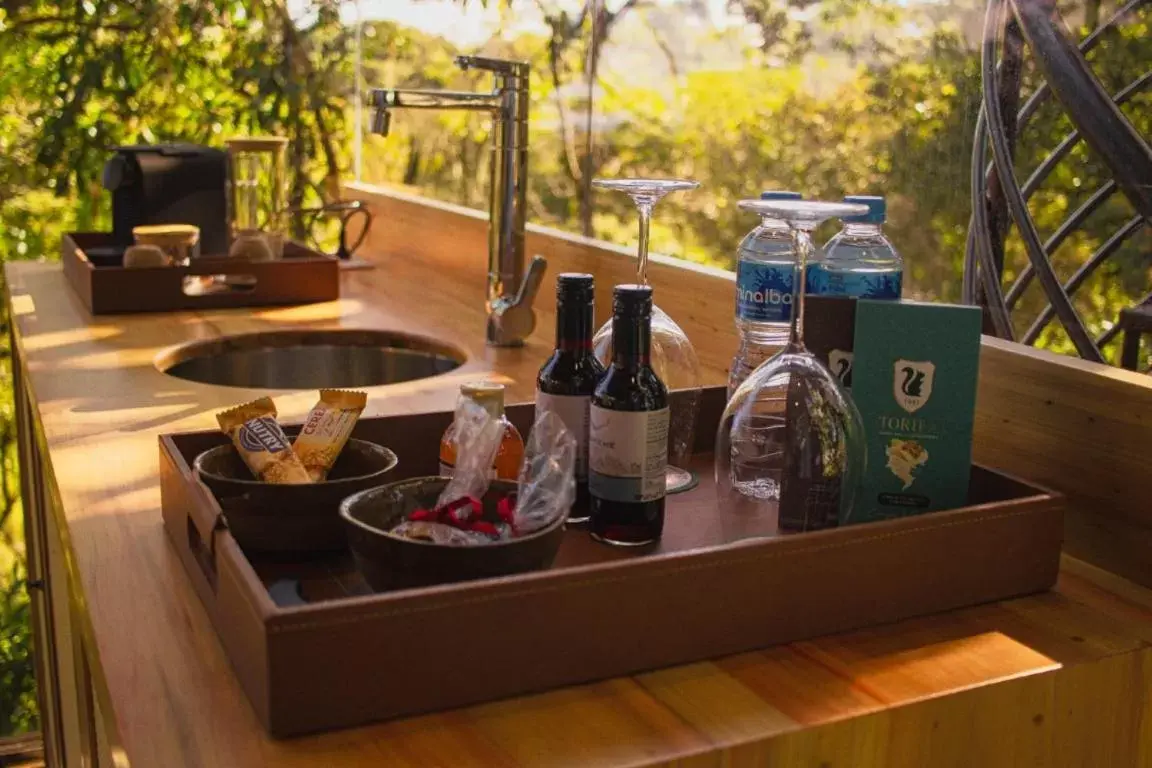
<point x="310" y="359"/>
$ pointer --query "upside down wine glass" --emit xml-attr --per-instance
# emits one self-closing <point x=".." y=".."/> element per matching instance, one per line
<point x="673" y="356"/>
<point x="789" y="448"/>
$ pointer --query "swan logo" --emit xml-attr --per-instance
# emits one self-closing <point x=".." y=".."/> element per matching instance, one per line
<point x="912" y="383"/>
<point x="841" y="364"/>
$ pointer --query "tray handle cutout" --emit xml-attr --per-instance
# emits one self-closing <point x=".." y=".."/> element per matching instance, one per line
<point x="201" y="530"/>
<point x="196" y="286"/>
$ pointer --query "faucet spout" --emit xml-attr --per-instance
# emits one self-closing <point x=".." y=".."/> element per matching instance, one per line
<point x="398" y="98"/>
<point x="512" y="283"/>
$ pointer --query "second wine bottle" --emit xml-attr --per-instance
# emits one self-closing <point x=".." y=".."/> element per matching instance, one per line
<point x="628" y="441"/>
<point x="567" y="380"/>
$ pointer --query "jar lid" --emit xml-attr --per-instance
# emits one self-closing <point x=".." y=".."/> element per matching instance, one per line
<point x="486" y="393"/>
<point x="166" y="234"/>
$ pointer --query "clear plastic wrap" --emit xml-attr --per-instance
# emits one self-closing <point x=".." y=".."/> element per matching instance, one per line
<point x="478" y="437"/>
<point x="546" y="490"/>
<point x="547" y="476"/>
<point x="439" y="533"/>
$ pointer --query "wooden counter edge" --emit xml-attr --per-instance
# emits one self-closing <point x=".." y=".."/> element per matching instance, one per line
<point x="77" y="602"/>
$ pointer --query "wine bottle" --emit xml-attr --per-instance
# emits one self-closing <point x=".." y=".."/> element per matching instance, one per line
<point x="628" y="438"/>
<point x="566" y="381"/>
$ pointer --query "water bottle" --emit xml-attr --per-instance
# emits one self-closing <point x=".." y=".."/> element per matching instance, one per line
<point x="764" y="272"/>
<point x="859" y="261"/>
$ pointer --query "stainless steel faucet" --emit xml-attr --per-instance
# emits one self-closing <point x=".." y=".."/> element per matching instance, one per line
<point x="511" y="287"/>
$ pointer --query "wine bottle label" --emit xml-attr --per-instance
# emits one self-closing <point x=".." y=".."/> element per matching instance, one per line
<point x="627" y="454"/>
<point x="573" y="411"/>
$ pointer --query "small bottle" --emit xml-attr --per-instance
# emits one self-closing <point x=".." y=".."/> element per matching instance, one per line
<point x="567" y="380"/>
<point x="490" y="396"/>
<point x="764" y="272"/>
<point x="628" y="440"/>
<point x="859" y="261"/>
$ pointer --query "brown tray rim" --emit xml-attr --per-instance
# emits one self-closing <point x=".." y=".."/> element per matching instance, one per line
<point x="213" y="264"/>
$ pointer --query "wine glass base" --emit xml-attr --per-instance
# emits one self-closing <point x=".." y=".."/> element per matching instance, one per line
<point x="760" y="489"/>
<point x="620" y="543"/>
<point x="678" y="480"/>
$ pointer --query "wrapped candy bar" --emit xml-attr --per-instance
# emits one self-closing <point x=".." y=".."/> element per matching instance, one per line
<point x="262" y="444"/>
<point x="327" y="429"/>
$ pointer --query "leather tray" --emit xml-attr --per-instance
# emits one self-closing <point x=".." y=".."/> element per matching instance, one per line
<point x="314" y="649"/>
<point x="303" y="276"/>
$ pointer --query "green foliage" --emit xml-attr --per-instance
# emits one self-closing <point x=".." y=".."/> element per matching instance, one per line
<point x="17" y="681"/>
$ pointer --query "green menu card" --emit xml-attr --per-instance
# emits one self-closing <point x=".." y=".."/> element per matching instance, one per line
<point x="914" y="381"/>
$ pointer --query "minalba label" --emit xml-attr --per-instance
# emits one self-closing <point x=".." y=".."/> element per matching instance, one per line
<point x="627" y="454"/>
<point x="764" y="292"/>
<point x="573" y="411"/>
<point x="862" y="285"/>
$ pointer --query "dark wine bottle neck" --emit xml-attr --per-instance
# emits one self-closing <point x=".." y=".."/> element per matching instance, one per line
<point x="574" y="326"/>
<point x="632" y="340"/>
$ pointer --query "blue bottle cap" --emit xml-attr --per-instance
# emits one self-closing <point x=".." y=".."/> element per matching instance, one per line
<point x="877" y="210"/>
<point x="780" y="195"/>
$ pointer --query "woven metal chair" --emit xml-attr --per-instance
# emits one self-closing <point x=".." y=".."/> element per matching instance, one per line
<point x="999" y="201"/>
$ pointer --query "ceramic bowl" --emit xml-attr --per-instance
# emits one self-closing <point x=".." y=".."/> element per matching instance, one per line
<point x="390" y="562"/>
<point x="265" y="517"/>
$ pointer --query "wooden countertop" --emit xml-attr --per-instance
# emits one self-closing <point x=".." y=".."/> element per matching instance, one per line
<point x="1062" y="678"/>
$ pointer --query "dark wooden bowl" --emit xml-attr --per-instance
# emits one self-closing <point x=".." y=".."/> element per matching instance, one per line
<point x="265" y="517"/>
<point x="390" y="562"/>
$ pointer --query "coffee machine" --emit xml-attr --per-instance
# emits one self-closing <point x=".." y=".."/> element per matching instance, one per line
<point x="170" y="184"/>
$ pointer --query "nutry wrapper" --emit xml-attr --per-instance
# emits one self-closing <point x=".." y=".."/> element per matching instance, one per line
<point x="327" y="429"/>
<point x="262" y="444"/>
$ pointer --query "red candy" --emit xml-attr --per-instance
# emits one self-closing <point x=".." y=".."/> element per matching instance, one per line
<point x="486" y="528"/>
<point x="505" y="508"/>
<point x="466" y="513"/>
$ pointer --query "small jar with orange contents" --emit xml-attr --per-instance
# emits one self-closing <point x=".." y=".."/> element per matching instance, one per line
<point x="489" y="396"/>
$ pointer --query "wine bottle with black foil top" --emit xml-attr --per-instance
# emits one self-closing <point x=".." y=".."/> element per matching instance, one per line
<point x="567" y="380"/>
<point x="628" y="440"/>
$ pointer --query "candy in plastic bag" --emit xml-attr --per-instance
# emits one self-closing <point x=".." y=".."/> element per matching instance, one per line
<point x="547" y="476"/>
<point x="478" y="437"/>
<point x="439" y="533"/>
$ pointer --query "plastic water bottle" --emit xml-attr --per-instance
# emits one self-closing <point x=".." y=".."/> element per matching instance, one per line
<point x="859" y="261"/>
<point x="764" y="272"/>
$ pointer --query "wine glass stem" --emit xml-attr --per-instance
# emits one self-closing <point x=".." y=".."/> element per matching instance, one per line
<point x="800" y="245"/>
<point x="642" y="249"/>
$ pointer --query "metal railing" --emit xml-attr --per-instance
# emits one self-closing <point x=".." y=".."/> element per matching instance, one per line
<point x="999" y="201"/>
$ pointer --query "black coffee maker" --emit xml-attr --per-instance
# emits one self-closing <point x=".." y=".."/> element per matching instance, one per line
<point x="170" y="184"/>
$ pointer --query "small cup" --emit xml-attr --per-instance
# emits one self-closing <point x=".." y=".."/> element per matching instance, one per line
<point x="180" y="241"/>
<point x="252" y="245"/>
<point x="146" y="256"/>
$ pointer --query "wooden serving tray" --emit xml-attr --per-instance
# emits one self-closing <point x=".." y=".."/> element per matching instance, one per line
<point x="303" y="276"/>
<point x="314" y="649"/>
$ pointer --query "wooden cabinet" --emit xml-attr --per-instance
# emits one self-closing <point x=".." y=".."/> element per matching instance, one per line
<point x="73" y="728"/>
